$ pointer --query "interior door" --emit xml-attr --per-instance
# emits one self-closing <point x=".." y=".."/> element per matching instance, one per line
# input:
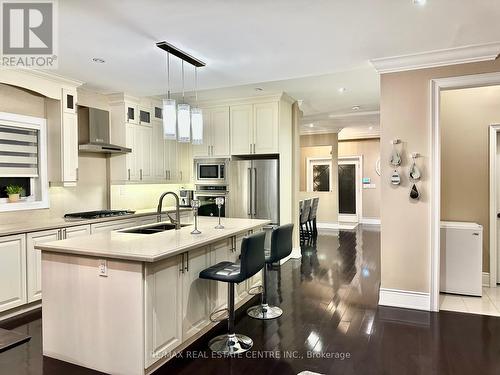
<point x="266" y="190"/>
<point x="239" y="185"/>
<point x="348" y="190"/>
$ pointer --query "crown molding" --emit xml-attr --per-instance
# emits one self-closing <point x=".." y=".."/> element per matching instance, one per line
<point x="433" y="59"/>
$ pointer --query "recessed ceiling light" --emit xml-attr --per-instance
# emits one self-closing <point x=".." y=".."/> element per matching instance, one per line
<point x="355" y="107"/>
<point x="259" y="89"/>
<point x="342" y="90"/>
<point x="311" y="125"/>
<point x="98" y="60"/>
<point x="419" y="2"/>
<point x="370" y="127"/>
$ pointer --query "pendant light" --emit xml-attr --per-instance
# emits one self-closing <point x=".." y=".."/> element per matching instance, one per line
<point x="183" y="116"/>
<point x="169" y="110"/>
<point x="196" y="115"/>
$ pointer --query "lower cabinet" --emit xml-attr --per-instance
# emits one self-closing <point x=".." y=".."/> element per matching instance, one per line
<point x="34" y="261"/>
<point x="178" y="303"/>
<point x="12" y="271"/>
<point x="163" y="308"/>
<point x="196" y="294"/>
<point x="34" y="256"/>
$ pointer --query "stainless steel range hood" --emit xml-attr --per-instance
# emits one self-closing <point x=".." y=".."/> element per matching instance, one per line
<point x="93" y="132"/>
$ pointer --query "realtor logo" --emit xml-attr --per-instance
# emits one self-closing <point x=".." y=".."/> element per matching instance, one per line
<point x="29" y="34"/>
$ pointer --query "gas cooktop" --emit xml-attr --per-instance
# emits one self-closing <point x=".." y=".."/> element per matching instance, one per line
<point x="97" y="214"/>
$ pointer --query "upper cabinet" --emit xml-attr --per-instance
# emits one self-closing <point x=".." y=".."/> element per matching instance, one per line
<point x="138" y="124"/>
<point x="216" y="141"/>
<point x="63" y="138"/>
<point x="254" y="128"/>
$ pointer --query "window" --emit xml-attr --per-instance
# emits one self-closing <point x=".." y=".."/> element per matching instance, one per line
<point x="23" y="160"/>
<point x="319" y="176"/>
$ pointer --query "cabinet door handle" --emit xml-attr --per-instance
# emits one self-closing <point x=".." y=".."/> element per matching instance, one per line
<point x="140" y="172"/>
<point x="180" y="172"/>
<point x="77" y="175"/>
<point x="187" y="262"/>
<point x="208" y="150"/>
<point x="128" y="171"/>
<point x="212" y="150"/>
<point x="65" y="233"/>
<point x="181" y="270"/>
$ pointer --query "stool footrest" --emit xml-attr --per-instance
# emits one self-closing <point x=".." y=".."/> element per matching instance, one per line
<point x="224" y="314"/>
<point x="255" y="290"/>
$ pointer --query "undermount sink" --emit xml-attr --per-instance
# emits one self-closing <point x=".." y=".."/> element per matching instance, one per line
<point x="152" y="229"/>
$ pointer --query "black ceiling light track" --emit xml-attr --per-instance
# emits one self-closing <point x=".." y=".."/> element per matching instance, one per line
<point x="180" y="54"/>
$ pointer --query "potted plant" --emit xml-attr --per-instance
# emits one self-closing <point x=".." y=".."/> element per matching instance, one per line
<point x="14" y="192"/>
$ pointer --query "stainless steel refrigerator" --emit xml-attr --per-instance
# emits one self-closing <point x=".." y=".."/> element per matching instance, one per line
<point x="254" y="189"/>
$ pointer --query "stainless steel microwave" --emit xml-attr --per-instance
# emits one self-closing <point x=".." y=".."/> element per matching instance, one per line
<point x="211" y="171"/>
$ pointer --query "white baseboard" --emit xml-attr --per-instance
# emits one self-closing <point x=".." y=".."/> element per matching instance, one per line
<point x="327" y="225"/>
<point x="486" y="279"/>
<point x="405" y="299"/>
<point x="370" y="221"/>
<point x="336" y="226"/>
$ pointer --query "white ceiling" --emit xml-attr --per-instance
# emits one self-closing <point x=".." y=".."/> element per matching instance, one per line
<point x="247" y="42"/>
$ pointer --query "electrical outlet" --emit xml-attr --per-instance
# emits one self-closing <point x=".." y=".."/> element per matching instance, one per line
<point x="103" y="268"/>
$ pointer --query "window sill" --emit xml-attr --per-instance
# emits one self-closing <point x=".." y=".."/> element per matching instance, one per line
<point x="6" y="206"/>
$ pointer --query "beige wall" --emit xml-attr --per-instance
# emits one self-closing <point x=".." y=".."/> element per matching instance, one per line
<point x="320" y="145"/>
<point x="465" y="118"/>
<point x="405" y="232"/>
<point x="369" y="149"/>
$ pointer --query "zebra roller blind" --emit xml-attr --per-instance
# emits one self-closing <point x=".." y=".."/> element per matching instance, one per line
<point x="18" y="152"/>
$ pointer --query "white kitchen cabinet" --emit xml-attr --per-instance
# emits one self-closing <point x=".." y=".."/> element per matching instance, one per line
<point x="63" y="139"/>
<point x="34" y="261"/>
<point x="266" y="124"/>
<point x="157" y="151"/>
<point x="170" y="160"/>
<point x="109" y="226"/>
<point x="72" y="232"/>
<point x="12" y="271"/>
<point x="69" y="148"/>
<point x="131" y="112"/>
<point x="216" y="142"/>
<point x="255" y="128"/>
<point x="241" y="121"/>
<point x="184" y="163"/>
<point x="143" y="154"/>
<point x="163" y="308"/>
<point x="145" y="116"/>
<point x="195" y="293"/>
<point x="220" y="252"/>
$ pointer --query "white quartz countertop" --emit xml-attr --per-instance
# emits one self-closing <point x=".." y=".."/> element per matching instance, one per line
<point x="151" y="247"/>
<point x="39" y="224"/>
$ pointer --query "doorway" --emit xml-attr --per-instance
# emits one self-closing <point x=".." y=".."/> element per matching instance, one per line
<point x="349" y="189"/>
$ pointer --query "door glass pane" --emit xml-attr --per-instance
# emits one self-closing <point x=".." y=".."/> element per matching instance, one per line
<point x="347" y="189"/>
<point x="321" y="177"/>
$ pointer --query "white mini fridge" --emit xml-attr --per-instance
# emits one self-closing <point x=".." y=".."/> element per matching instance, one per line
<point x="461" y="258"/>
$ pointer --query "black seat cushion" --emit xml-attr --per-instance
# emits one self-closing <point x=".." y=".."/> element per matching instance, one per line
<point x="252" y="261"/>
<point x="281" y="243"/>
<point x="228" y="272"/>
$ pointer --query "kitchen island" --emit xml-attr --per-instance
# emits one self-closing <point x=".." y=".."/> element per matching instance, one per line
<point x="124" y="303"/>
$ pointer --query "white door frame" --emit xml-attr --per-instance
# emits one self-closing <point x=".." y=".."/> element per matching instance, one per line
<point x="358" y="163"/>
<point x="436" y="85"/>
<point x="494" y="258"/>
<point x="309" y="170"/>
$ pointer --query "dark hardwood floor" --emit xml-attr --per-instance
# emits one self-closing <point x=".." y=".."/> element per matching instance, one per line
<point x="331" y="325"/>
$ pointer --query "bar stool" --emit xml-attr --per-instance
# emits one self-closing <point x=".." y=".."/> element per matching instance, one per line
<point x="281" y="247"/>
<point x="312" y="216"/>
<point x="252" y="261"/>
<point x="304" y="218"/>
